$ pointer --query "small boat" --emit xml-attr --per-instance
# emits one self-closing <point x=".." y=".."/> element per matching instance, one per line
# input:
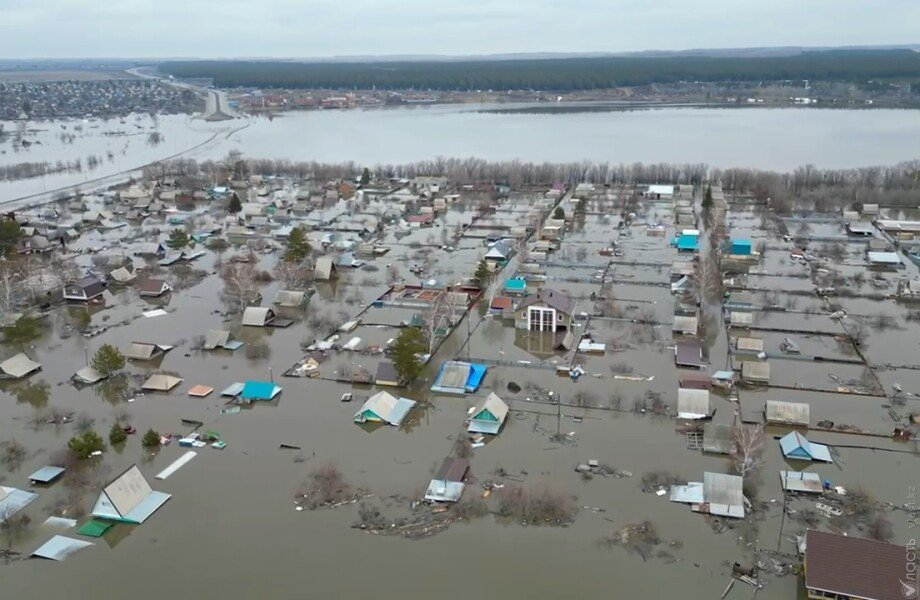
<point x="346" y="397"/>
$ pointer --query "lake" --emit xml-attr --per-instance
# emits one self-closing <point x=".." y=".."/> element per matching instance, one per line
<point x="773" y="139"/>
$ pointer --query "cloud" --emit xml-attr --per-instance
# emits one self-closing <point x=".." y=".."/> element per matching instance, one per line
<point x="317" y="28"/>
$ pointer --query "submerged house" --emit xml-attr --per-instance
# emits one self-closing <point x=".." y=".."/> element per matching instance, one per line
<point x="449" y="481"/>
<point x="845" y="567"/>
<point x="548" y="310"/>
<point x="500" y="252"/>
<point x="258" y="316"/>
<point x="152" y="288"/>
<point x="152" y="250"/>
<point x="161" y="382"/>
<point x="220" y="338"/>
<point x="325" y="269"/>
<point x="693" y="404"/>
<point x="146" y="351"/>
<point x="18" y="366"/>
<point x="458" y="377"/>
<point x="290" y="298"/>
<point x="129" y="499"/>
<point x="384" y="407"/>
<point x="795" y="445"/>
<point x="787" y="413"/>
<point x="259" y="390"/>
<point x="755" y="372"/>
<point x="688" y="353"/>
<point x="84" y="290"/>
<point x="488" y="415"/>
<point x="718" y="494"/>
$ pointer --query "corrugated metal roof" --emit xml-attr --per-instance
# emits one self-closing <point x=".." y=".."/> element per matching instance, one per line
<point x="755" y="371"/>
<point x="724" y="494"/>
<point x="161" y="383"/>
<point x="692" y="403"/>
<point x="60" y="547"/>
<point x="257" y="316"/>
<point x="797" y="481"/>
<point x="717" y="438"/>
<point x="47" y="474"/>
<point x="749" y="344"/>
<point x="795" y="413"/>
<point x="18" y="366"/>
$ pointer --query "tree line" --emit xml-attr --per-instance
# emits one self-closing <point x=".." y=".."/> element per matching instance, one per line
<point x="562" y="74"/>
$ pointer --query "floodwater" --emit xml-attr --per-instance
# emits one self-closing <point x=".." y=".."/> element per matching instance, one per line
<point x="231" y="529"/>
<point x="773" y="139"/>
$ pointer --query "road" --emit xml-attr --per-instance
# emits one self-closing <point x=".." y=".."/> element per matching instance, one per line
<point x="217" y="107"/>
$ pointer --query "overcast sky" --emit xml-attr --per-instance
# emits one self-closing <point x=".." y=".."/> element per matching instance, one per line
<point x="322" y="28"/>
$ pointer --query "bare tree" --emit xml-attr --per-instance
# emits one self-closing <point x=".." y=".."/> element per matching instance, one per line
<point x="747" y="447"/>
<point x="13" y="525"/>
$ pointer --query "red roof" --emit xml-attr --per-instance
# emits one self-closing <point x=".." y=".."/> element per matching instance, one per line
<point x="854" y="567"/>
<point x="501" y="303"/>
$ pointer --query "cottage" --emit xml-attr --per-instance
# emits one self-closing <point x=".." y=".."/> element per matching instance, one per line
<point x="129" y="499"/>
<point x="387" y="375"/>
<point x="122" y="275"/>
<point x="688" y="353"/>
<point x="548" y="310"/>
<point x="88" y="376"/>
<point x="693" y="404"/>
<point x="742" y="247"/>
<point x="718" y="494"/>
<point x="457" y="377"/>
<point x="220" y="338"/>
<point x="685" y="325"/>
<point x="259" y="390"/>
<point x="500" y="252"/>
<point x="755" y="372"/>
<point x="290" y="298"/>
<point x="717" y="438"/>
<point x="146" y="351"/>
<point x="796" y="446"/>
<point x="161" y="383"/>
<point x="384" y="407"/>
<point x="488" y="415"/>
<point x="17" y="367"/>
<point x="84" y="290"/>
<point x="449" y="481"/>
<point x="325" y="269"/>
<point x="152" y="250"/>
<point x="845" y="567"/>
<point x="153" y="288"/>
<point x="258" y="316"/>
<point x="787" y="413"/>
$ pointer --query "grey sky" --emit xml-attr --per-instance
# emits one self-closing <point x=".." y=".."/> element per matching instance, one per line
<point x="313" y="28"/>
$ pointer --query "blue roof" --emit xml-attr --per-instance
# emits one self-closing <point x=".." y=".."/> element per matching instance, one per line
<point x="260" y="390"/>
<point x="46" y="474"/>
<point x="795" y="445"/>
<point x="457" y="377"/>
<point x="517" y="284"/>
<point x="477" y="374"/>
<point x="741" y="242"/>
<point x="15" y="500"/>
<point x="688" y="242"/>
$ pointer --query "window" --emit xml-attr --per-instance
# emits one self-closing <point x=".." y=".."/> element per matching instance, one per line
<point x="541" y="319"/>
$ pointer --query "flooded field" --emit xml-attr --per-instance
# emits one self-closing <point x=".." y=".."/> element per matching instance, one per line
<point x="591" y="325"/>
<point x="748" y="137"/>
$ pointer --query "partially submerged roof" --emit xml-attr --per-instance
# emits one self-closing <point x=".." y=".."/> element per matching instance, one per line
<point x="724" y="494"/>
<point x="260" y="390"/>
<point x="161" y="382"/>
<point x="12" y="500"/>
<point x="793" y="413"/>
<point x="458" y="377"/>
<point x="216" y="338"/>
<point x="18" y="366"/>
<point x="122" y="275"/>
<point x="749" y="344"/>
<point x="129" y="499"/>
<point x="46" y="474"/>
<point x="387" y="374"/>
<point x="717" y="438"/>
<point x="692" y="403"/>
<point x="554" y="299"/>
<point x="324" y="268"/>
<point x="685" y="324"/>
<point x="60" y="547"/>
<point x="384" y="407"/>
<point x="795" y="445"/>
<point x="688" y="353"/>
<point x="755" y="371"/>
<point x="799" y="481"/>
<point x="290" y="298"/>
<point x="884" y="258"/>
<point x="146" y="350"/>
<point x="258" y="316"/>
<point x="488" y="415"/>
<point x="854" y="567"/>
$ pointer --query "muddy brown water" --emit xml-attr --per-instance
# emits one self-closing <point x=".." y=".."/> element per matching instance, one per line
<point x="231" y="528"/>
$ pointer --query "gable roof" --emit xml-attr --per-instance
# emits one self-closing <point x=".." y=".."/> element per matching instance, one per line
<point x="553" y="299"/>
<point x="18" y="366"/>
<point x="797" y="413"/>
<point x="160" y="382"/>
<point x="854" y="567"/>
<point x="257" y="316"/>
<point x="495" y="405"/>
<point x="129" y="498"/>
<point x="796" y="445"/>
<point x="385" y="407"/>
<point x="215" y="338"/>
<point x="149" y="287"/>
